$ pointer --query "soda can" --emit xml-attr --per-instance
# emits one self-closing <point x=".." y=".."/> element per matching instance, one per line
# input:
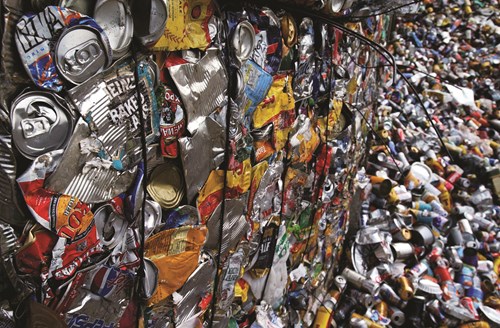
<point x="41" y="122"/>
<point x="406" y="290"/>
<point x="402" y="251"/>
<point x="115" y="18"/>
<point x="389" y="295"/>
<point x="81" y="52"/>
<point x="363" y="298"/>
<point x="243" y="42"/>
<point x="150" y="19"/>
<point x="110" y="226"/>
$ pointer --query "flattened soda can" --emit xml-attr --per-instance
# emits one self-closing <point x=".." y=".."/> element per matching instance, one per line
<point x="150" y="18"/>
<point x="41" y="122"/>
<point x="81" y="52"/>
<point x="116" y="20"/>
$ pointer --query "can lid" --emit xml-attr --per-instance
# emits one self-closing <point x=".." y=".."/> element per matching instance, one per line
<point x="167" y="185"/>
<point x="81" y="52"/>
<point x="116" y="20"/>
<point x="41" y="122"/>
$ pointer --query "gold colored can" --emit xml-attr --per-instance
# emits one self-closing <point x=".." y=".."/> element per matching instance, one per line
<point x="369" y="323"/>
<point x="383" y="309"/>
<point x="323" y="317"/>
<point x="475" y="324"/>
<point x="166" y="185"/>
<point x="405" y="289"/>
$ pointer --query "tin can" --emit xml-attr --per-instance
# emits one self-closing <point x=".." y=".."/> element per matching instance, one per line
<point x="167" y="185"/>
<point x="115" y="18"/>
<point x="41" y="122"/>
<point x="81" y="52"/>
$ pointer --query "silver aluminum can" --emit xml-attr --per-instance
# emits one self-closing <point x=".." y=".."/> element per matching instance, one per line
<point x="81" y="52"/>
<point x="243" y="41"/>
<point x="41" y="122"/>
<point x="115" y="18"/>
<point x="150" y="18"/>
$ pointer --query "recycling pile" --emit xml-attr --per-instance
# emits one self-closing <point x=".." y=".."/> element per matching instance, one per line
<point x="426" y="253"/>
<point x="178" y="163"/>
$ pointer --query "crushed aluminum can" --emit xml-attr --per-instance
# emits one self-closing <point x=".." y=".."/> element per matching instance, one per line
<point x="41" y="122"/>
<point x="179" y="248"/>
<point x="166" y="185"/>
<point x="107" y="286"/>
<point x="64" y="215"/>
<point x="106" y="147"/>
<point x="201" y="153"/>
<point x="189" y="296"/>
<point x="150" y="18"/>
<point x="289" y="29"/>
<point x="243" y="41"/>
<point x="234" y="226"/>
<point x="203" y="81"/>
<point x="187" y="25"/>
<point x="81" y="49"/>
<point x="81" y="52"/>
<point x="111" y="227"/>
<point x="150" y="282"/>
<point x="257" y="84"/>
<point x="115" y="18"/>
<point x="172" y="121"/>
<point x="183" y="215"/>
<point x="268" y="42"/>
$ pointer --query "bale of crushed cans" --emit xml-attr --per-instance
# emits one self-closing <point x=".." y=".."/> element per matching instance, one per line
<point x="178" y="163"/>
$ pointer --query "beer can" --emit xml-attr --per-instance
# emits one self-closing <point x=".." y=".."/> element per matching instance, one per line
<point x="406" y="290"/>
<point x="41" y="122"/>
<point x="81" y="52"/>
<point x="110" y="226"/>
<point x="115" y="18"/>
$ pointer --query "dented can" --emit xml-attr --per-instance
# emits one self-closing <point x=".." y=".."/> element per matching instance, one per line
<point x="81" y="52"/>
<point x="41" y="122"/>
